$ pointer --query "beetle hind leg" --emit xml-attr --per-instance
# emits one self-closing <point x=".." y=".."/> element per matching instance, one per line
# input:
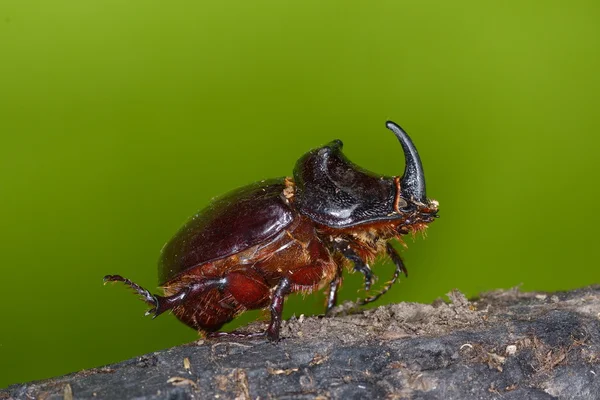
<point x="147" y="297"/>
<point x="160" y="304"/>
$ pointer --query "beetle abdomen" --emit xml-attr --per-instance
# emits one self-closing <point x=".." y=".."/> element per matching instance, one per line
<point x="249" y="276"/>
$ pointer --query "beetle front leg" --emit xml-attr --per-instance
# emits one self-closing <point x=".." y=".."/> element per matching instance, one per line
<point x="359" y="264"/>
<point x="400" y="268"/>
<point x="282" y="289"/>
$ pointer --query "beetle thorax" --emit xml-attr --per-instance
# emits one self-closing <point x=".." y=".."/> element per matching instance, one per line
<point x="289" y="190"/>
<point x="369" y="240"/>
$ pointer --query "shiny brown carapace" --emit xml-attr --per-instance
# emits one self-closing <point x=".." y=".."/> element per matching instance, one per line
<point x="252" y="247"/>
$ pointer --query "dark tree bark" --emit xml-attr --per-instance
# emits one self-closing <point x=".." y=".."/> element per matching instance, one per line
<point x="504" y="345"/>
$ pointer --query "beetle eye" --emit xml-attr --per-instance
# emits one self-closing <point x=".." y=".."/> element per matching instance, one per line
<point x="409" y="207"/>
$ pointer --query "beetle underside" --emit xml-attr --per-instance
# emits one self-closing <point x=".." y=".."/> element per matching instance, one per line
<point x="289" y="235"/>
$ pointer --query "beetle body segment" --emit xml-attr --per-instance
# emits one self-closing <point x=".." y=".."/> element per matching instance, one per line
<point x="245" y="280"/>
<point x="333" y="191"/>
<point x="252" y="247"/>
<point x="230" y="224"/>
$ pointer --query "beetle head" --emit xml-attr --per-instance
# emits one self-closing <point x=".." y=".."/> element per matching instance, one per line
<point x="333" y="191"/>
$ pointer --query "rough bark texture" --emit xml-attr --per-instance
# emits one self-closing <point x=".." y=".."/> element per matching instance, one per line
<point x="504" y="345"/>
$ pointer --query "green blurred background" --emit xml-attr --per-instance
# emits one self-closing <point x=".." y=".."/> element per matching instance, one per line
<point x="119" y="119"/>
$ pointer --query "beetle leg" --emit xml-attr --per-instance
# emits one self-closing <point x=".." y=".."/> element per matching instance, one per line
<point x="359" y="264"/>
<point x="282" y="289"/>
<point x="160" y="304"/>
<point x="400" y="268"/>
<point x="169" y="302"/>
<point x="334" y="285"/>
<point x="147" y="297"/>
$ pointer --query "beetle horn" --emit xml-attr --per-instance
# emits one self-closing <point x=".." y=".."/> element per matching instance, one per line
<point x="413" y="180"/>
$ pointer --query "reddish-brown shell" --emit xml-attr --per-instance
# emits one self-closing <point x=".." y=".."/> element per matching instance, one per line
<point x="231" y="223"/>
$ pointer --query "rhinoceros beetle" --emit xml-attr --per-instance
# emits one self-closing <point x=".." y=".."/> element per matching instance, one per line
<point x="253" y="246"/>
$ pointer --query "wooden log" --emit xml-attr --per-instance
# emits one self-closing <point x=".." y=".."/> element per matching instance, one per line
<point x="503" y="345"/>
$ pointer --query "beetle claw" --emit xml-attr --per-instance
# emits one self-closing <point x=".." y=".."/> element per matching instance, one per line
<point x="150" y="311"/>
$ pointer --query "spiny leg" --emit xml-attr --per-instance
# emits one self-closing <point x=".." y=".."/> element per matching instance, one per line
<point x="282" y="289"/>
<point x="359" y="264"/>
<point x="147" y="297"/>
<point x="334" y="286"/>
<point x="161" y="304"/>
<point x="276" y="307"/>
<point x="400" y="268"/>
